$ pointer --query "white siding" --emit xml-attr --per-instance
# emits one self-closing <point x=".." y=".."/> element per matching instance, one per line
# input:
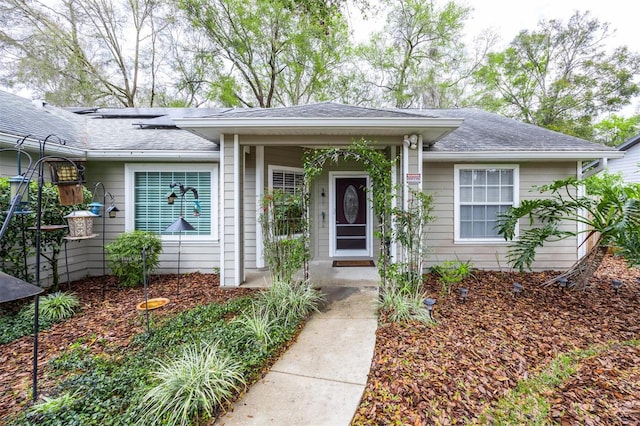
<point x="438" y="181"/>
<point x="628" y="165"/>
<point x="250" y="207"/>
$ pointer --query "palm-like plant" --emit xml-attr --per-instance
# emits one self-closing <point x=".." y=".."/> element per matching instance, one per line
<point x="608" y="208"/>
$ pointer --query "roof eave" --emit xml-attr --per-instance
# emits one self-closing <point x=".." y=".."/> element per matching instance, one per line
<point x="150" y="155"/>
<point x="287" y="122"/>
<point x="518" y="155"/>
<point x="33" y="145"/>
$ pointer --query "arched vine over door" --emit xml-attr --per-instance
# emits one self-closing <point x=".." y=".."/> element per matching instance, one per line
<point x="379" y="169"/>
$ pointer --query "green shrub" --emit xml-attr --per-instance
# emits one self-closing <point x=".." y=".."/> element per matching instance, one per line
<point x="283" y="225"/>
<point x="125" y="256"/>
<point x="196" y="383"/>
<point x="58" y="306"/>
<point x="451" y="272"/>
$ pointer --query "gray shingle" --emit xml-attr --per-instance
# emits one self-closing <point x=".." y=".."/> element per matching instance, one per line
<point x="319" y="110"/>
<point x="20" y="117"/>
<point x="121" y="134"/>
<point x="485" y="131"/>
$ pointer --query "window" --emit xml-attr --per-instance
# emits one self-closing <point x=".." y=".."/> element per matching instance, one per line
<point x="481" y="194"/>
<point x="286" y="179"/>
<point x="286" y="185"/>
<point x="148" y="186"/>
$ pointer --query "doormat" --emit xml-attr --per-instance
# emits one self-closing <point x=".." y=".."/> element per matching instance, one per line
<point x="347" y="263"/>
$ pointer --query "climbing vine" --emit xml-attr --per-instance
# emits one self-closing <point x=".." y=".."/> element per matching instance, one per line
<point x="379" y="167"/>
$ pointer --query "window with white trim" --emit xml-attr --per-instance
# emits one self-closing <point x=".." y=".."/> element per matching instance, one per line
<point x="481" y="194"/>
<point x="286" y="179"/>
<point x="147" y="201"/>
<point x="286" y="185"/>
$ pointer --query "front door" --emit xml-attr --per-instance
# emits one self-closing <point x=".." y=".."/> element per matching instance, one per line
<point x="351" y="225"/>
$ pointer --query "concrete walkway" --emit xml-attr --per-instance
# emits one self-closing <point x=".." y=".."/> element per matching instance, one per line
<point x="320" y="379"/>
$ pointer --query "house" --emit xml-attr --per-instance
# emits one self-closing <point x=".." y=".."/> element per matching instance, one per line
<point x="629" y="165"/>
<point x="474" y="163"/>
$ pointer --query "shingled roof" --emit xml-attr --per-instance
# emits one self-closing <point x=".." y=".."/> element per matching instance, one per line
<point x="319" y="110"/>
<point x="485" y="131"/>
<point x="124" y="134"/>
<point x="22" y="117"/>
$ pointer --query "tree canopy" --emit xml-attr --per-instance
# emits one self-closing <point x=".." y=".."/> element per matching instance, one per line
<point x="418" y="58"/>
<point x="84" y="52"/>
<point x="560" y="76"/>
<point x="269" y="52"/>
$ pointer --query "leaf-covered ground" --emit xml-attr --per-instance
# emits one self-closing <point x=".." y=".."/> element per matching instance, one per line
<point x="106" y="324"/>
<point x="452" y="373"/>
<point x="457" y="370"/>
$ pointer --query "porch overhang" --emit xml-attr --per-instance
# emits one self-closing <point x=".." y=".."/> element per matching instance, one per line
<point x="431" y="129"/>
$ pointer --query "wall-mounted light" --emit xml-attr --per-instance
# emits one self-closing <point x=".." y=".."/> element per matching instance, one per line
<point x="411" y="141"/>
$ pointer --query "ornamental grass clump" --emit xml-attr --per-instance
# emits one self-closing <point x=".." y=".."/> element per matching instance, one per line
<point x="259" y="325"/>
<point x="196" y="384"/>
<point x="58" y="306"/>
<point x="288" y="303"/>
<point x="402" y="306"/>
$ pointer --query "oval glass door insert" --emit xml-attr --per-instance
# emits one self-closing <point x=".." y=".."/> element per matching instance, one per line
<point x="350" y="203"/>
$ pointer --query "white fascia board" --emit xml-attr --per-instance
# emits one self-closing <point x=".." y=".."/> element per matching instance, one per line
<point x="114" y="155"/>
<point x="229" y="125"/>
<point x="518" y="155"/>
<point x="52" y="147"/>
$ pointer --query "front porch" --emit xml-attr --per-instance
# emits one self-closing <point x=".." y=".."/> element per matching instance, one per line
<point x="322" y="273"/>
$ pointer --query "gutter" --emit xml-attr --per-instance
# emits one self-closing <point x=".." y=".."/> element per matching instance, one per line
<point x="429" y="156"/>
<point x="291" y="122"/>
<point x="142" y="155"/>
<point x="33" y="145"/>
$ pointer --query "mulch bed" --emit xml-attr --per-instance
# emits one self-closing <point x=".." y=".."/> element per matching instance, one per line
<point x="444" y="374"/>
<point x="479" y="350"/>
<point x="107" y="324"/>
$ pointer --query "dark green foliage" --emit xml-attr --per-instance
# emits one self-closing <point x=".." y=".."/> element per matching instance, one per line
<point x="54" y="307"/>
<point x="610" y="209"/>
<point x="559" y="76"/>
<point x="12" y="246"/>
<point x="125" y="256"/>
<point x="108" y="389"/>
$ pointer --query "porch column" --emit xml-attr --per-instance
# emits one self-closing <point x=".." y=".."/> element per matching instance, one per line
<point x="411" y="169"/>
<point x="231" y="244"/>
